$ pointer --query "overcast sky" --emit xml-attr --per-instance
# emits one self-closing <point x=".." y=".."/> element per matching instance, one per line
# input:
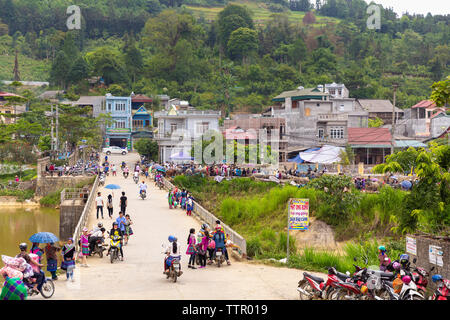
<point x="416" y="6"/>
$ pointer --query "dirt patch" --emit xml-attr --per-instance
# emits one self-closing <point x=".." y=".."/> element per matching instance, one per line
<point x="318" y="236"/>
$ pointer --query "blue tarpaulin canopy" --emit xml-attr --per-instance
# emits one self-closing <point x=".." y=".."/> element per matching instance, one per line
<point x="297" y="159"/>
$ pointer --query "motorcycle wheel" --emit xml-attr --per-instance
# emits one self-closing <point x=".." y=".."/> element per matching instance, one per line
<point x="100" y="254"/>
<point x="305" y="286"/>
<point x="333" y="294"/>
<point x="112" y="256"/>
<point x="48" y="289"/>
<point x="341" y="295"/>
<point x="175" y="276"/>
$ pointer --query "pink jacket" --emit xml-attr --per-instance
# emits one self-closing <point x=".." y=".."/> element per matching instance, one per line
<point x="204" y="243"/>
<point x="191" y="245"/>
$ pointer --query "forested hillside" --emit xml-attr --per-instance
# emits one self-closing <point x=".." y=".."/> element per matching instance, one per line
<point x="223" y="55"/>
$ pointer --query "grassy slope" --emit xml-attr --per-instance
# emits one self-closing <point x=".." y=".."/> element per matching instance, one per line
<point x="30" y="69"/>
<point x="260" y="13"/>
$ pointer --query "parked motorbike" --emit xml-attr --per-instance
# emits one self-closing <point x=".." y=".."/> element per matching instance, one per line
<point x="442" y="291"/>
<point x="420" y="277"/>
<point x="219" y="257"/>
<point x="114" y="244"/>
<point x="315" y="287"/>
<point x="408" y="291"/>
<point x="99" y="247"/>
<point x="47" y="289"/>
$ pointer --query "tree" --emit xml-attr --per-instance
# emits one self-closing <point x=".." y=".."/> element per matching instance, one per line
<point x="132" y="57"/>
<point x="230" y="19"/>
<point x="148" y="148"/>
<point x="375" y="123"/>
<point x="309" y="18"/>
<point x="108" y="63"/>
<point x="242" y="43"/>
<point x="60" y="66"/>
<point x="78" y="70"/>
<point x="441" y="92"/>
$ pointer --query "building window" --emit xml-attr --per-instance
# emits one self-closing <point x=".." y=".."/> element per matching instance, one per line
<point x="120" y="124"/>
<point x="109" y="106"/>
<point x="337" y="133"/>
<point x="202" y="127"/>
<point x="341" y="107"/>
<point x="173" y="127"/>
<point x="120" y="106"/>
<point x="138" y="123"/>
<point x="320" y="133"/>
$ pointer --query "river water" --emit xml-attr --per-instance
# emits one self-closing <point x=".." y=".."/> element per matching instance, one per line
<point x="19" y="224"/>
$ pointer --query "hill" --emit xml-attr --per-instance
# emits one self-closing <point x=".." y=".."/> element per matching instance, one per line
<point x="30" y="69"/>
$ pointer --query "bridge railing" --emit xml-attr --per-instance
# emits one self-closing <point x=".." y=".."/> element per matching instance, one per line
<point x="207" y="217"/>
<point x="84" y="214"/>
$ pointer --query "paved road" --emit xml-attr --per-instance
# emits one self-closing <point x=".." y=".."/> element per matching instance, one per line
<point x="140" y="276"/>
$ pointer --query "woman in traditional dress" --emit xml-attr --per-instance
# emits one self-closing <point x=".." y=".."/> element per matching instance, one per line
<point x="191" y="248"/>
<point x="52" y="259"/>
<point x="84" y="241"/>
<point x="171" y="199"/>
<point x="68" y="253"/>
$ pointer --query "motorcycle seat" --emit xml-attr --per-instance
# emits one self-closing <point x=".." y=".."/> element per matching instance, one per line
<point x="342" y="276"/>
<point x="316" y="279"/>
<point x="387" y="275"/>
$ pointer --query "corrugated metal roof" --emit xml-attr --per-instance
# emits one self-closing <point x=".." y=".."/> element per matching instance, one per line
<point x="370" y="136"/>
<point x="409" y="143"/>
<point x="377" y="105"/>
<point x="424" y="104"/>
<point x="302" y="92"/>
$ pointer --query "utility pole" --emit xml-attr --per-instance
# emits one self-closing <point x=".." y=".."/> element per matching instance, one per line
<point x="395" y="86"/>
<point x="57" y="128"/>
<point x="52" y="137"/>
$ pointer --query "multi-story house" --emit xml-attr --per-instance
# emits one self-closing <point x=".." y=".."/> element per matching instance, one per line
<point x="142" y="118"/>
<point x="119" y="133"/>
<point x="314" y="117"/>
<point x="247" y="128"/>
<point x="179" y="125"/>
<point x="424" y="120"/>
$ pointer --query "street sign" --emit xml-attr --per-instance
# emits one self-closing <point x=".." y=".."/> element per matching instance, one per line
<point x="411" y="245"/>
<point x="435" y="255"/>
<point x="298" y="214"/>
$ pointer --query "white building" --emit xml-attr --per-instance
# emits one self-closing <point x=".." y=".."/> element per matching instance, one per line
<point x="179" y="125"/>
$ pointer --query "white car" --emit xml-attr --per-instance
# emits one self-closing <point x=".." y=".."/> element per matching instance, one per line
<point x="114" y="149"/>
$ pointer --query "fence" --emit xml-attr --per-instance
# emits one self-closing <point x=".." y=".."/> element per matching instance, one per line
<point x="210" y="219"/>
<point x="72" y="194"/>
<point x="84" y="215"/>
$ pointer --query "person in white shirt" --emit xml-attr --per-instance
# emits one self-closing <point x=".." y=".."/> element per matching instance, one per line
<point x="172" y="251"/>
<point x="99" y="202"/>
<point x="142" y="187"/>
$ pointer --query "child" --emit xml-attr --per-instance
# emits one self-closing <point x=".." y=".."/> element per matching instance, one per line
<point x="191" y="248"/>
<point x="189" y="206"/>
<point x="128" y="229"/>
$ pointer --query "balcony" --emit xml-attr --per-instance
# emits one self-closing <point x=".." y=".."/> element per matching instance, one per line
<point x="184" y="113"/>
<point x="332" y="117"/>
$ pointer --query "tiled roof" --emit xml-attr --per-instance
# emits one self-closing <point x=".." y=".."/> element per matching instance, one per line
<point x="141" y="98"/>
<point x="377" y="105"/>
<point x="369" y="136"/>
<point x="302" y="92"/>
<point x="424" y="104"/>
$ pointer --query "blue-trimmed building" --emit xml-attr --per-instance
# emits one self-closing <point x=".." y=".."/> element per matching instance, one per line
<point x="141" y="117"/>
<point x="119" y="133"/>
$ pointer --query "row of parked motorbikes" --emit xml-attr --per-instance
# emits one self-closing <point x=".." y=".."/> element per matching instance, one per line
<point x="404" y="283"/>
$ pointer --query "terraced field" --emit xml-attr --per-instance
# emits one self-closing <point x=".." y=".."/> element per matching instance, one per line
<point x="261" y="14"/>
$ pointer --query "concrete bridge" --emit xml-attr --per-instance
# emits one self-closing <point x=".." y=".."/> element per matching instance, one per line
<point x="140" y="276"/>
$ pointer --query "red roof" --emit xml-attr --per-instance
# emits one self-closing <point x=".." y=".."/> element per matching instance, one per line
<point x="236" y="133"/>
<point x="7" y="94"/>
<point x="140" y="98"/>
<point x="424" y="104"/>
<point x="369" y="136"/>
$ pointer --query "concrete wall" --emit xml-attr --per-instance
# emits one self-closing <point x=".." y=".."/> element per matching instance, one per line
<point x="46" y="185"/>
<point x="70" y="212"/>
<point x="439" y="125"/>
<point x="423" y="246"/>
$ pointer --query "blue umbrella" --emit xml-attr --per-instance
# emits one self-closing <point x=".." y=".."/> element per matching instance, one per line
<point x="43" y="237"/>
<point x="112" y="186"/>
<point x="159" y="167"/>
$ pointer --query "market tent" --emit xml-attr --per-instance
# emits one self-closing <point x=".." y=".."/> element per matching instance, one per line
<point x="298" y="159"/>
<point x="325" y="155"/>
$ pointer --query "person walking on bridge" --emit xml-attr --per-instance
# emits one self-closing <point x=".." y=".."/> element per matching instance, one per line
<point x="123" y="202"/>
<point x="191" y="241"/>
<point x="99" y="201"/>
